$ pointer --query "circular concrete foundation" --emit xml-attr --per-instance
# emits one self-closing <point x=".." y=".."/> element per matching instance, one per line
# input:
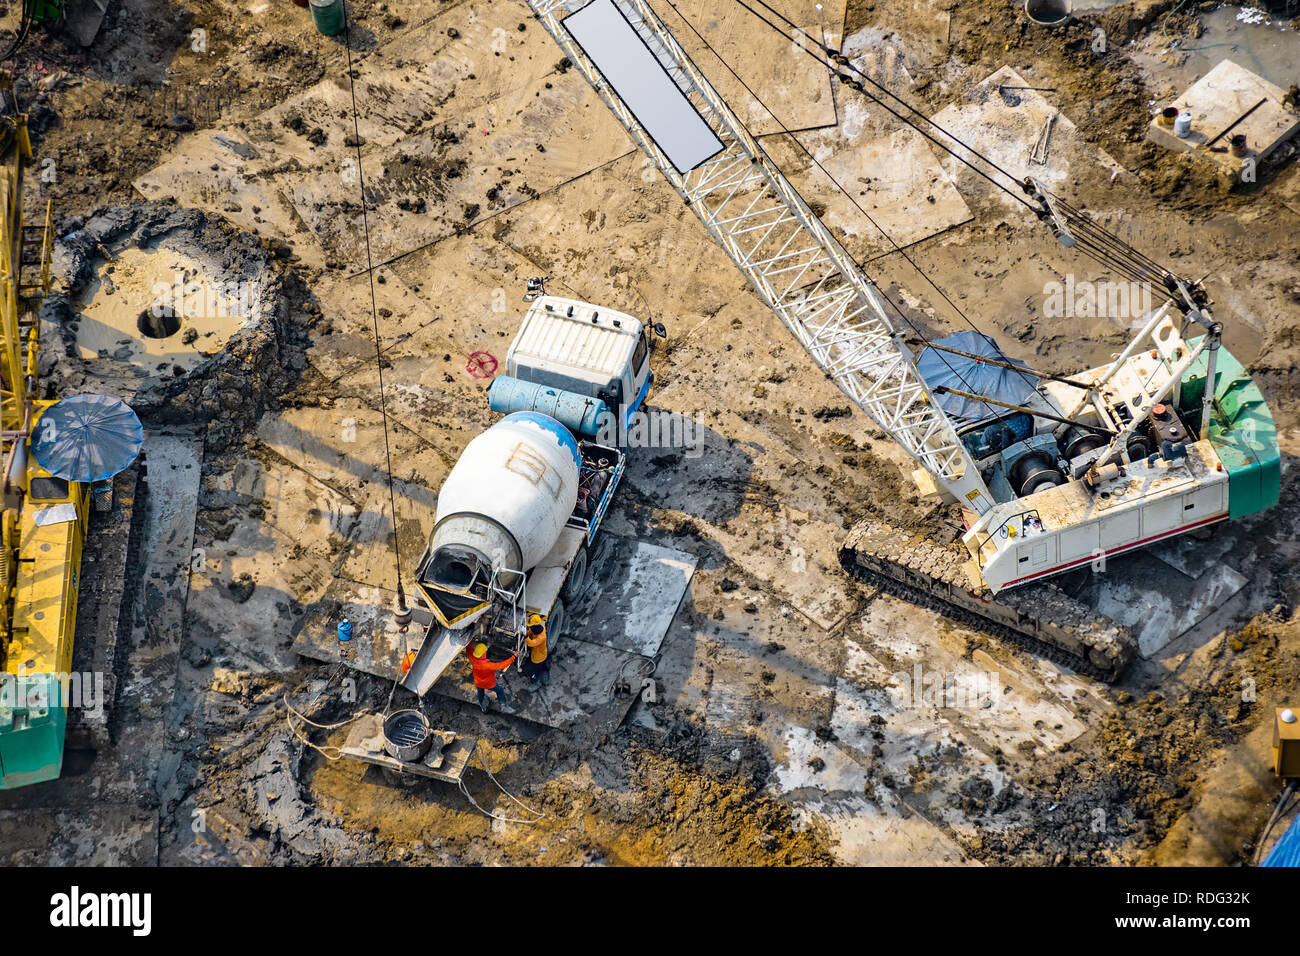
<point x="153" y="311"/>
<point x="181" y="316"/>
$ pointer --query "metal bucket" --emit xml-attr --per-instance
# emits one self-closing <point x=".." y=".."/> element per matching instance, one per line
<point x="328" y="16"/>
<point x="407" y="735"/>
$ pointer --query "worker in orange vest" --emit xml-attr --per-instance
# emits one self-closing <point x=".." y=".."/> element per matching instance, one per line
<point x="485" y="675"/>
<point x="538" y="665"/>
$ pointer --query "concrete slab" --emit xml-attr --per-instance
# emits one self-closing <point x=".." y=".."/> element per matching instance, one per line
<point x="252" y="578"/>
<point x="794" y="553"/>
<point x="889" y="56"/>
<point x="627" y="613"/>
<point x="1193" y="557"/>
<point x="160" y="621"/>
<point x="1159" y="603"/>
<point x="1227" y="101"/>
<point x="868" y="835"/>
<point x="175" y="465"/>
<point x="915" y="670"/>
<point x="434" y="184"/>
<point x="377" y="646"/>
<point x="342" y="448"/>
<point x="929" y="709"/>
<point x="582" y="674"/>
<point x="877" y="830"/>
<point x="433" y="162"/>
<point x="582" y="678"/>
<point x="634" y="594"/>
<point x="896" y="186"/>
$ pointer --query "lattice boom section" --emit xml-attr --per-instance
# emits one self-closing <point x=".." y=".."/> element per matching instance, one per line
<point x="791" y="258"/>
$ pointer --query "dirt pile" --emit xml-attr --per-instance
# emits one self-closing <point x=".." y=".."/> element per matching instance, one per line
<point x="1113" y="796"/>
<point x="271" y="313"/>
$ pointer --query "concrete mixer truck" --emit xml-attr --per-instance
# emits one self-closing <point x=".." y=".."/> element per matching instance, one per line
<point x="517" y="515"/>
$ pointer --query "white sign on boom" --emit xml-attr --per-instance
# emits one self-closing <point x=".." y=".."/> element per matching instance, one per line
<point x="643" y="84"/>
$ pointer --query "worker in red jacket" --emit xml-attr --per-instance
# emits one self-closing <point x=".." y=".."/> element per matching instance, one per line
<point x="485" y="675"/>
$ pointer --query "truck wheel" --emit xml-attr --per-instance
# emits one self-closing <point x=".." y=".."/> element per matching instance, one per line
<point x="576" y="583"/>
<point x="554" y="628"/>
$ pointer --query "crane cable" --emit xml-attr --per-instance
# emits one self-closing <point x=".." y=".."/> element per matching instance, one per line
<point x="807" y="152"/>
<point x="1092" y="240"/>
<point x="1105" y="247"/>
<point x="374" y="309"/>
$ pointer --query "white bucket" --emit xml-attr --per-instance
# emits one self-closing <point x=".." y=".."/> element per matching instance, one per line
<point x="1183" y="125"/>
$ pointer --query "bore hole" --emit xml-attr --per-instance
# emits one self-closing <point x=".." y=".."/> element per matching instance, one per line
<point x="158" y="322"/>
<point x="1047" y="11"/>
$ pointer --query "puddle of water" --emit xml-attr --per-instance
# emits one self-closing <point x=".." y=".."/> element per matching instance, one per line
<point x="1245" y="35"/>
<point x="141" y="280"/>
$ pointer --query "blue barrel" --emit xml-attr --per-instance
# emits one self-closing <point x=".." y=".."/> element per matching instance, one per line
<point x="345" y="630"/>
<point x="578" y="413"/>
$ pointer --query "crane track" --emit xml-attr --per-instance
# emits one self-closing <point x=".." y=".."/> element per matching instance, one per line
<point x="1040" y="618"/>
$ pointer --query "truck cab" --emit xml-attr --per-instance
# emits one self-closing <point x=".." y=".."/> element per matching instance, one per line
<point x="585" y="350"/>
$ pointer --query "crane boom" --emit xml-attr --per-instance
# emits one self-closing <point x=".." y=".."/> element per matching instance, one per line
<point x="799" y="269"/>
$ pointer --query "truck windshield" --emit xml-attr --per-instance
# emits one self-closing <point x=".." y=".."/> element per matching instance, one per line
<point x="638" y="357"/>
<point x="553" y="379"/>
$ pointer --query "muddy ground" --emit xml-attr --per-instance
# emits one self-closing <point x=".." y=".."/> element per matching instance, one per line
<point x="775" y="743"/>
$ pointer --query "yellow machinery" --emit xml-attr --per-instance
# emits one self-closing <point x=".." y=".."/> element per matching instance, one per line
<point x="44" y="519"/>
<point x="1286" y="743"/>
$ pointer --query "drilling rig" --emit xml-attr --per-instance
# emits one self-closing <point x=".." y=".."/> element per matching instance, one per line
<point x="45" y="515"/>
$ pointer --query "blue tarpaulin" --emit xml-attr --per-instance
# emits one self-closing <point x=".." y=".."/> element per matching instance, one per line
<point x="972" y="375"/>
<point x="1286" y="851"/>
<point x="87" y="437"/>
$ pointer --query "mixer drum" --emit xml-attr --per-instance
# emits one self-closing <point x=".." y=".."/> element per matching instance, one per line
<point x="506" y="501"/>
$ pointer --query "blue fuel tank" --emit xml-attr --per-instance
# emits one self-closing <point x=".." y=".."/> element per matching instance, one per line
<point x="578" y="413"/>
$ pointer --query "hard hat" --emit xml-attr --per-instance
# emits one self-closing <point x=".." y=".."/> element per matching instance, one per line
<point x="534" y="620"/>
<point x="480" y="650"/>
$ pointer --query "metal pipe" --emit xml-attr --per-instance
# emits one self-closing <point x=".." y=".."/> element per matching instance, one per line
<point x="19" y="443"/>
<point x="1211" y="341"/>
<point x="1133" y="346"/>
<point x="1103" y="413"/>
